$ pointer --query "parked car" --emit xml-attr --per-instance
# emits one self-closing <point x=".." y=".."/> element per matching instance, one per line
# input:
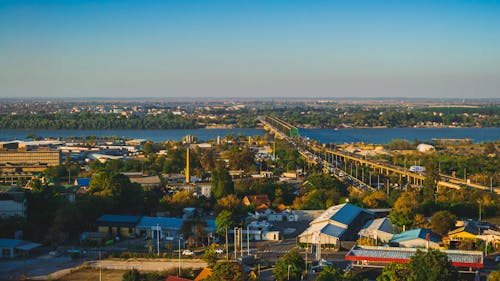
<point x="219" y="251"/>
<point x="187" y="253"/>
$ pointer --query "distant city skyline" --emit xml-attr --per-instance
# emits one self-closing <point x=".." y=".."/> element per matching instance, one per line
<point x="301" y="49"/>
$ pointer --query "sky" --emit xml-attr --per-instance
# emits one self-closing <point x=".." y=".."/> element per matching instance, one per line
<point x="249" y="48"/>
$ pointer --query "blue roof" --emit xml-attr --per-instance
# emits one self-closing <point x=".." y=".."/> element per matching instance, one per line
<point x="333" y="230"/>
<point x="347" y="214"/>
<point x="118" y="220"/>
<point x="83" y="181"/>
<point x="167" y="222"/>
<point x="418" y="233"/>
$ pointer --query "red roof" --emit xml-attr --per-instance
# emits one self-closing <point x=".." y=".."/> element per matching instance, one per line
<point x="175" y="278"/>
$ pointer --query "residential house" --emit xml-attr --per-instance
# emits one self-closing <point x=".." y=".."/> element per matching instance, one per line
<point x="257" y="200"/>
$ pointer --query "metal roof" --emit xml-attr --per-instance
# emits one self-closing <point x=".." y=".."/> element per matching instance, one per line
<point x="381" y="224"/>
<point x="18" y="244"/>
<point x="118" y="220"/>
<point x="343" y="213"/>
<point x="402" y="255"/>
<point x="418" y="233"/>
<point x="325" y="228"/>
<point x="148" y="222"/>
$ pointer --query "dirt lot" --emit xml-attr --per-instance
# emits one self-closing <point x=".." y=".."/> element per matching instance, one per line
<point x="93" y="274"/>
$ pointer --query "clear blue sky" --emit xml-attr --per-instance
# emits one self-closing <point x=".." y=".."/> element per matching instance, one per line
<point x="272" y="48"/>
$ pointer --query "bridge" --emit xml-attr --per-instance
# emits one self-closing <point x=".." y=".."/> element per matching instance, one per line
<point x="317" y="154"/>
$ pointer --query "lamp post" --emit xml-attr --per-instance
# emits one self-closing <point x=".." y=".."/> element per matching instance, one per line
<point x="180" y="238"/>
<point x="158" y="239"/>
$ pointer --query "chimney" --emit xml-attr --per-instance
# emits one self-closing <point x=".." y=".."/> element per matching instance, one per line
<point x="188" y="177"/>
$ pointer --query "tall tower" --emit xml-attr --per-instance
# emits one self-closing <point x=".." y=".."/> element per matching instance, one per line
<point x="188" y="177"/>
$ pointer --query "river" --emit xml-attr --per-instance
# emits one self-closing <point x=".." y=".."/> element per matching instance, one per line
<point x="368" y="135"/>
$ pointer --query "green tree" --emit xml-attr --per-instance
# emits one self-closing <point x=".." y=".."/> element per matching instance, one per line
<point x="431" y="266"/>
<point x="222" y="184"/>
<point x="291" y="264"/>
<point x="431" y="178"/>
<point x="394" y="272"/>
<point x="223" y="222"/>
<point x="442" y="222"/>
<point x="330" y="273"/>
<point x="227" y="271"/>
<point x="210" y="257"/>
<point x="404" y="209"/>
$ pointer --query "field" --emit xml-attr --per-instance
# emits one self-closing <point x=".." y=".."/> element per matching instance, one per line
<point x="93" y="274"/>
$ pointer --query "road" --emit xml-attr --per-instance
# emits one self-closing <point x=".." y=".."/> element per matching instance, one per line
<point x="148" y="265"/>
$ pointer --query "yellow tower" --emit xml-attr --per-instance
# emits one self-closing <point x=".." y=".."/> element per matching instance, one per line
<point x="188" y="177"/>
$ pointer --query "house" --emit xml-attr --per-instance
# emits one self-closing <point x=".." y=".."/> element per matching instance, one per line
<point x="416" y="238"/>
<point x="337" y="223"/>
<point x="12" y="201"/>
<point x="379" y="229"/>
<point x="11" y="248"/>
<point x="468" y="231"/>
<point x="257" y="200"/>
<point x="123" y="226"/>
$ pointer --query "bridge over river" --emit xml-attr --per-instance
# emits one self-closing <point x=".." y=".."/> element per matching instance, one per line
<point x="358" y="167"/>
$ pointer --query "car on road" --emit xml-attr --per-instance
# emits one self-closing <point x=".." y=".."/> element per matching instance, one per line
<point x="187" y="253"/>
<point x="219" y="251"/>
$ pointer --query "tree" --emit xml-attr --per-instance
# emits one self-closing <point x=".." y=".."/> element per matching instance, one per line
<point x="404" y="209"/>
<point x="210" y="257"/>
<point x="431" y="266"/>
<point x="394" y="272"/>
<point x="330" y="273"/>
<point x="222" y="184"/>
<point x="419" y="221"/>
<point x="224" y="221"/>
<point x="494" y="276"/>
<point x="442" y="222"/>
<point x="375" y="199"/>
<point x="227" y="271"/>
<point x="431" y="178"/>
<point x="291" y="264"/>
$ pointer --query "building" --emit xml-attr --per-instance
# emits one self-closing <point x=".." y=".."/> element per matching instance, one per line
<point x="375" y="256"/>
<point x="149" y="181"/>
<point x="28" y="161"/>
<point x="337" y="223"/>
<point x="423" y="147"/>
<point x="468" y="231"/>
<point x="11" y="248"/>
<point x="82" y="182"/>
<point x="167" y="228"/>
<point x="378" y="229"/>
<point x="123" y="226"/>
<point x="416" y="238"/>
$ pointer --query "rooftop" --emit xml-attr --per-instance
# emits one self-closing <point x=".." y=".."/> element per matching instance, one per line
<point x="418" y="233"/>
<point x="343" y="213"/>
<point x="458" y="258"/>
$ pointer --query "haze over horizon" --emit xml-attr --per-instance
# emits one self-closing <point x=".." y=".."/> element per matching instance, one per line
<point x="113" y="49"/>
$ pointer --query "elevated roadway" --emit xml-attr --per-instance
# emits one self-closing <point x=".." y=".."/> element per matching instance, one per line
<point x="319" y="155"/>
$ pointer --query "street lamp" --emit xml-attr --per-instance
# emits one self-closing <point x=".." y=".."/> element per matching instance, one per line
<point x="158" y="239"/>
<point x="180" y="238"/>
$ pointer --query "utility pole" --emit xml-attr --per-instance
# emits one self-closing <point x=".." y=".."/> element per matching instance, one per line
<point x="227" y="247"/>
<point x="158" y="239"/>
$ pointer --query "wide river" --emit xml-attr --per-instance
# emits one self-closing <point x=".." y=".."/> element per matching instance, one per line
<point x="368" y="135"/>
